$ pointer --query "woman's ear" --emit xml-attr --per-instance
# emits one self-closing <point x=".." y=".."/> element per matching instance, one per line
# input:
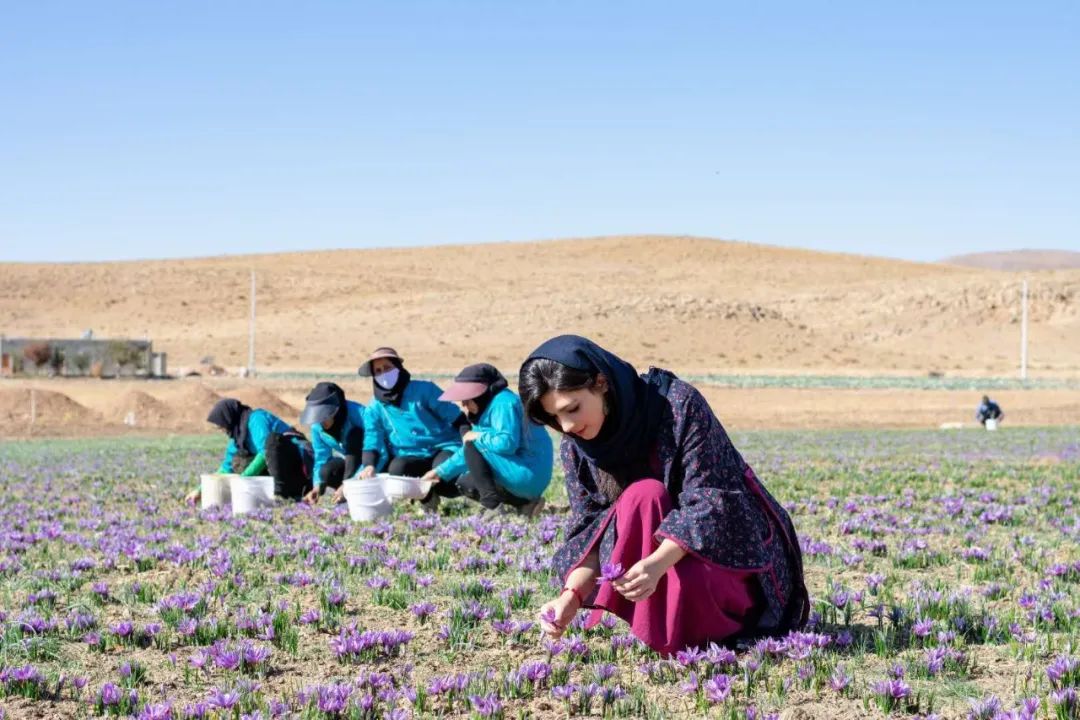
<point x="601" y="385"/>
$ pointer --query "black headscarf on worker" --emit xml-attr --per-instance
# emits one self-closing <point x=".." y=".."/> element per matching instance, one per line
<point x="326" y="400"/>
<point x="480" y="383"/>
<point x="231" y="415"/>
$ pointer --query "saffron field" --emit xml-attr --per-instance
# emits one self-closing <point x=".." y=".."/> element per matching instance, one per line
<point x="944" y="570"/>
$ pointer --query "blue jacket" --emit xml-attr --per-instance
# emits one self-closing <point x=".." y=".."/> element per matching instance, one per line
<point x="261" y="423"/>
<point x="519" y="452"/>
<point x="325" y="445"/>
<point x="419" y="427"/>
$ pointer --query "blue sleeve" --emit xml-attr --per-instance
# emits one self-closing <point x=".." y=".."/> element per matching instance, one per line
<point x="259" y="428"/>
<point x="501" y="433"/>
<point x="226" y="463"/>
<point x="448" y="412"/>
<point x="375" y="433"/>
<point x="322" y="453"/>
<point x="453" y="466"/>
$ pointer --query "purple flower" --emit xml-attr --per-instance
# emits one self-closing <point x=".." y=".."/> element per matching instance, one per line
<point x="109" y="694"/>
<point x="718" y="688"/>
<point x="611" y="571"/>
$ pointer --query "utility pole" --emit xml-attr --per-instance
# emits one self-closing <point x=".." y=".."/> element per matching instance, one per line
<point x="1024" y="332"/>
<point x="251" y="330"/>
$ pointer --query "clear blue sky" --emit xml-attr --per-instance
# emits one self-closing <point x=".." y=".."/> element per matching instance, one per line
<point x="163" y="129"/>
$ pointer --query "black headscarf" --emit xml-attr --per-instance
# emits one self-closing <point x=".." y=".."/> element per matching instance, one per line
<point x="231" y="415"/>
<point x="326" y="393"/>
<point x="488" y="375"/>
<point x="393" y="395"/>
<point x="635" y="414"/>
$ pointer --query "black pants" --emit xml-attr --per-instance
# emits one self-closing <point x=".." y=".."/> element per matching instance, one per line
<point x="479" y="482"/>
<point x="285" y="461"/>
<point x="335" y="470"/>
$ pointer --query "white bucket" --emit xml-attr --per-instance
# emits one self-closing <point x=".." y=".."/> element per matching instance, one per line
<point x="251" y="493"/>
<point x="991" y="424"/>
<point x="400" y="487"/>
<point x="215" y="490"/>
<point x="366" y="500"/>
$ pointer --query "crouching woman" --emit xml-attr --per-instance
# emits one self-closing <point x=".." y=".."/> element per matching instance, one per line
<point x="670" y="528"/>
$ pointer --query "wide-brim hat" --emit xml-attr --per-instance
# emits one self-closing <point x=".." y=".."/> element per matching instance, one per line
<point x="383" y="352"/>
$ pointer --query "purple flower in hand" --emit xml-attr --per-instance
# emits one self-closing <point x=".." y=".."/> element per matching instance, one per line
<point x="611" y="571"/>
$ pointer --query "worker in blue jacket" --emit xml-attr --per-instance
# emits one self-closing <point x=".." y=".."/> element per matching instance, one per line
<point x="337" y="438"/>
<point x="505" y="460"/>
<point x="407" y="428"/>
<point x="261" y="443"/>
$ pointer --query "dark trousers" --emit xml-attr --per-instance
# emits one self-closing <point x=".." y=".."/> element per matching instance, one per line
<point x="480" y="484"/>
<point x="335" y="470"/>
<point x="285" y="461"/>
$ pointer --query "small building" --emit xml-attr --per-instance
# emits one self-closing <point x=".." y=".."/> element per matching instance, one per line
<point x="83" y="357"/>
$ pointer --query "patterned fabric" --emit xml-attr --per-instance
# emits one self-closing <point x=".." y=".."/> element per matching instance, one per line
<point x="722" y="513"/>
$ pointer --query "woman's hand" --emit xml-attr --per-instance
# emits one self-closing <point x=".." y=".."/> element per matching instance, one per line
<point x="312" y="498"/>
<point x="556" y="615"/>
<point x="367" y="473"/>
<point x="431" y="475"/>
<point x="640" y="581"/>
<point x="470" y="436"/>
<point x="193" y="497"/>
<point x="339" y="495"/>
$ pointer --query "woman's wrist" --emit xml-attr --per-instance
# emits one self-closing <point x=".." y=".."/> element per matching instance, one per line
<point x="574" y="594"/>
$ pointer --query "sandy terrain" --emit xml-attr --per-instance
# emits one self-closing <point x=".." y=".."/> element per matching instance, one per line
<point x="692" y="304"/>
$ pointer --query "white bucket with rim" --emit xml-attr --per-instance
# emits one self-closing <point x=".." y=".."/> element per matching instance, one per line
<point x="366" y="499"/>
<point x="214" y="489"/>
<point x="991" y="424"/>
<point x="251" y="493"/>
<point x="401" y="487"/>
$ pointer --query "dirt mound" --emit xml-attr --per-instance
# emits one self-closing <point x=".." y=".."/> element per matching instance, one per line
<point x="1019" y="260"/>
<point x="260" y="397"/>
<point x="136" y="408"/>
<point x="43" y="408"/>
<point x="191" y="404"/>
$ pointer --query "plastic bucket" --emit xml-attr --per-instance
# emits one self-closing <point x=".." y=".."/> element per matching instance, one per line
<point x="991" y="424"/>
<point x="251" y="493"/>
<point x="215" y="490"/>
<point x="400" y="487"/>
<point x="366" y="500"/>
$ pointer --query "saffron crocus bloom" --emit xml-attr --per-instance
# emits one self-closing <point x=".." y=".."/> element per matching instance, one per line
<point x="611" y="571"/>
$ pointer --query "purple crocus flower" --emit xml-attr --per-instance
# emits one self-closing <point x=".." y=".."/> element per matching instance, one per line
<point x="611" y="571"/>
<point x="718" y="688"/>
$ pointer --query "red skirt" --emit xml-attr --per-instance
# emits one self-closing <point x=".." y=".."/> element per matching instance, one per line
<point x="695" y="603"/>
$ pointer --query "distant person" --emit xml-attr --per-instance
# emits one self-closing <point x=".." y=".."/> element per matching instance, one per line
<point x="670" y="529"/>
<point x="408" y="430"/>
<point x="261" y="443"/>
<point x="504" y="460"/>
<point x="337" y="438"/>
<point x="988" y="410"/>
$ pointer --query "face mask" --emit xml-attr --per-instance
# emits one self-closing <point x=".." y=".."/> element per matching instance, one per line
<point x="388" y="379"/>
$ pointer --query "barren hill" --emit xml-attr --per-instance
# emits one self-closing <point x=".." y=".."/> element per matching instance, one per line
<point x="686" y="303"/>
<point x="1016" y="260"/>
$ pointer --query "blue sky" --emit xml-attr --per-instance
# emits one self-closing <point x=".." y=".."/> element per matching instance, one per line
<point x="165" y="129"/>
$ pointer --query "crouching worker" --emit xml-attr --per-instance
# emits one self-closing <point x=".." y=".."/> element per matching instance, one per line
<point x="260" y="443"/>
<point x="337" y="438"/>
<point x="505" y="459"/>
<point x="407" y="429"/>
<point x="988" y="410"/>
<point x="670" y="529"/>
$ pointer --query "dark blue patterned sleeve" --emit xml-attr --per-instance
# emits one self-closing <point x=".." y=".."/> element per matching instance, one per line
<point x="587" y="512"/>
<point x="716" y="516"/>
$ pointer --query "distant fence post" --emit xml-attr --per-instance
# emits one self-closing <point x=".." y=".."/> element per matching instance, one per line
<point x="33" y="406"/>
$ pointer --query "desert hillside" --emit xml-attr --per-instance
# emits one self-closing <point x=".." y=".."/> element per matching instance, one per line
<point x="1019" y="260"/>
<point x="693" y="304"/>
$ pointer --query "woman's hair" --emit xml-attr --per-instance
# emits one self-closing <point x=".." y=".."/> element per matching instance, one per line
<point x="539" y="376"/>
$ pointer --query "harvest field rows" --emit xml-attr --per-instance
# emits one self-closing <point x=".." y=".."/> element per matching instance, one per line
<point x="943" y="569"/>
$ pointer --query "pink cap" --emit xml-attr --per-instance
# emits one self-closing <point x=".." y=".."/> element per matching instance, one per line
<point x="463" y="391"/>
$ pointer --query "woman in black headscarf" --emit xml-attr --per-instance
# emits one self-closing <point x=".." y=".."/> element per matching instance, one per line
<point x="260" y="442"/>
<point x="670" y="528"/>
